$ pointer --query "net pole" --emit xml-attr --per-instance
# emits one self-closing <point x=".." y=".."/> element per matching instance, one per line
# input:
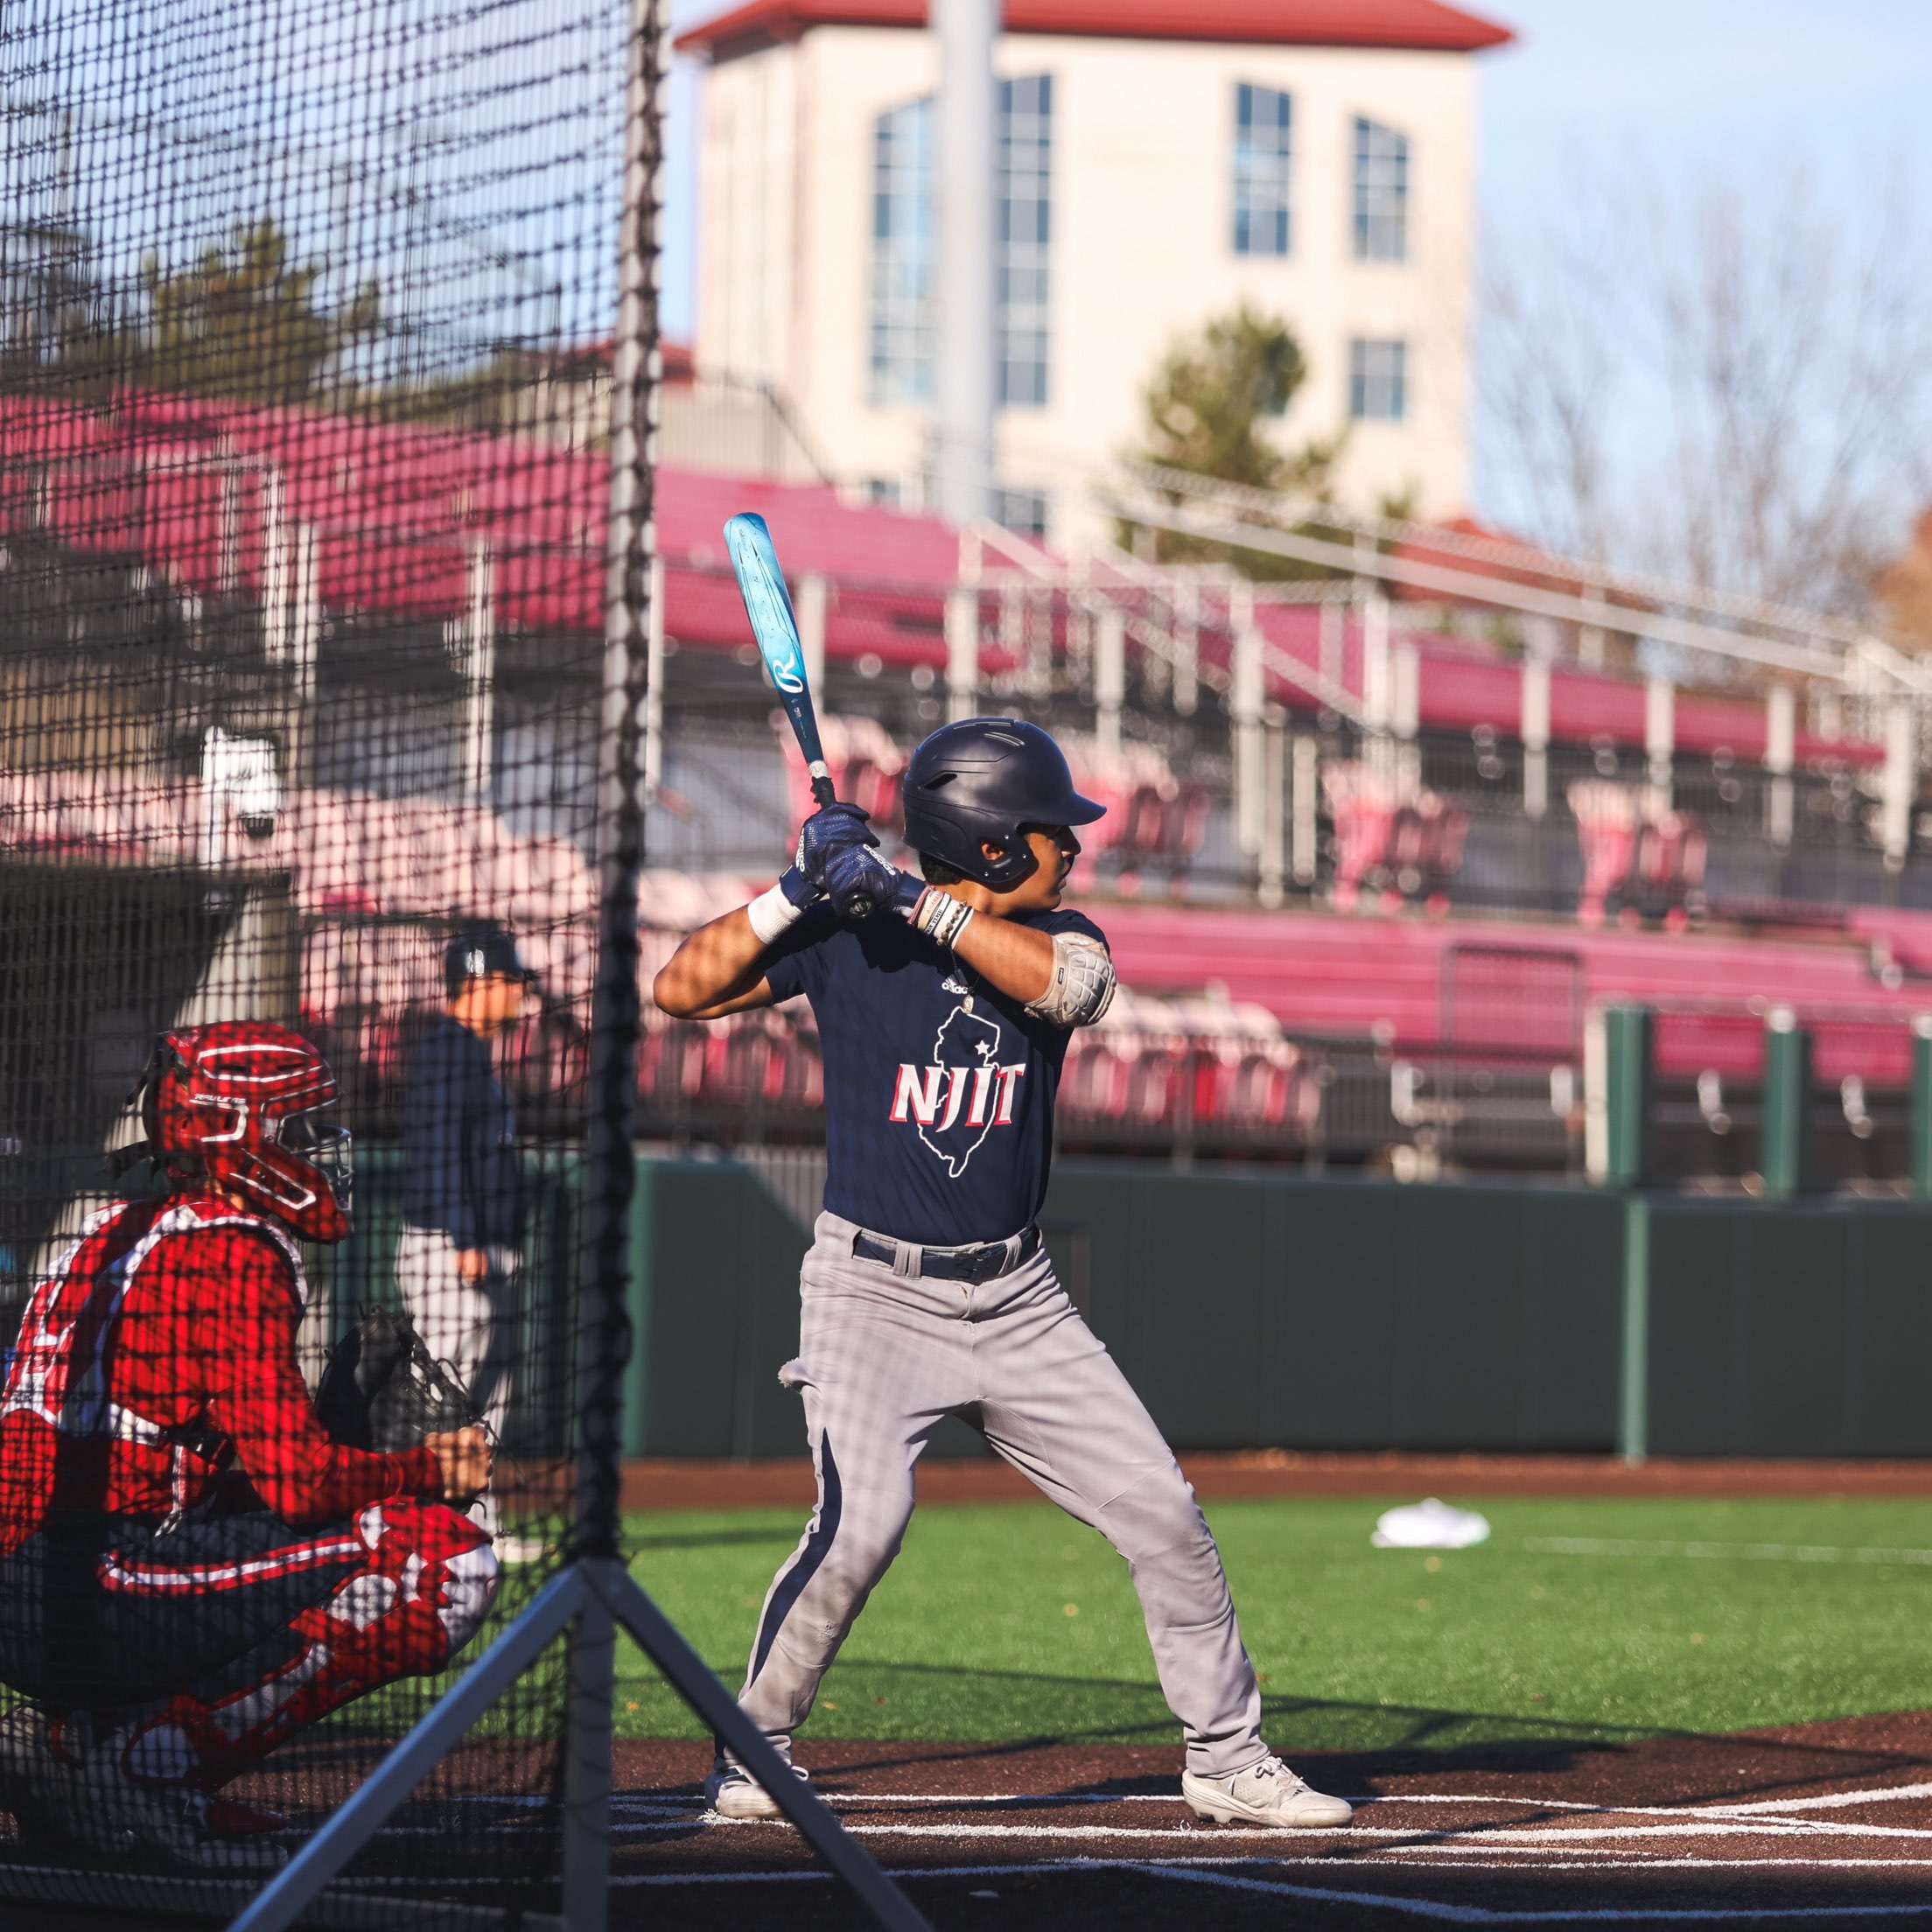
<point x="610" y="1164"/>
<point x="610" y="1167"/>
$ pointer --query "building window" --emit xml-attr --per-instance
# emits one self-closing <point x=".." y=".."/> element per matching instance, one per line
<point x="901" y="354"/>
<point x="1025" y="513"/>
<point x="1025" y="215"/>
<point x="1378" y="381"/>
<point x="903" y="305"/>
<point x="1263" y="119"/>
<point x="1382" y="193"/>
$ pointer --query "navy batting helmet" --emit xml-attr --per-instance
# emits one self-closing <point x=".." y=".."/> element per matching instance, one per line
<point x="980" y="781"/>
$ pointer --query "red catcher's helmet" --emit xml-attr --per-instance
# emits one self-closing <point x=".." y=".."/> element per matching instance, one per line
<point x="240" y="1103"/>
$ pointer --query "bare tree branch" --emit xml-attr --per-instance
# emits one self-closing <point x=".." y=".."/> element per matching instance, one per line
<point x="1730" y="385"/>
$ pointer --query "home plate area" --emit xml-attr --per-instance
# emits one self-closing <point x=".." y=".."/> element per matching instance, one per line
<point x="1816" y="1824"/>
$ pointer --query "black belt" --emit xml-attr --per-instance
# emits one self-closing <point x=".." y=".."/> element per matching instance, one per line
<point x="974" y="1264"/>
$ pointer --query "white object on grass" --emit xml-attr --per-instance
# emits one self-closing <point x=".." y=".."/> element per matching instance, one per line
<point x="1430" y="1524"/>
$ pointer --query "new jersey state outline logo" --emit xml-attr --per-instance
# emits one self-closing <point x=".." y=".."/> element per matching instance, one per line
<point x="958" y="1099"/>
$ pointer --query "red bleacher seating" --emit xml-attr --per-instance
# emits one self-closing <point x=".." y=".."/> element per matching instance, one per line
<point x="1324" y="977"/>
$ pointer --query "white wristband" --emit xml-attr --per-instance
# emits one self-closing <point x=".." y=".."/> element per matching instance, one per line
<point x="771" y="913"/>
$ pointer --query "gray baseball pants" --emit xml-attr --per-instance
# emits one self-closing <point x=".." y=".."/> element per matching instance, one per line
<point x="884" y="1353"/>
<point x="471" y="1325"/>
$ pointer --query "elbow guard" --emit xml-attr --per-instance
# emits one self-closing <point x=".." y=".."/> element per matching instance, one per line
<point x="1082" y="985"/>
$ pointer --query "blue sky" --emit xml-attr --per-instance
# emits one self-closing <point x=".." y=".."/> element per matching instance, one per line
<point x="1751" y="94"/>
<point x="1840" y="85"/>
<point x="680" y="267"/>
<point x="1763" y="96"/>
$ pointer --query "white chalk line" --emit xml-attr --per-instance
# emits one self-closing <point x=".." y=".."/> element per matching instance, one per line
<point x="1477" y="1849"/>
<point x="1473" y="1834"/>
<point x="642" y="1818"/>
<point x="1473" y="1914"/>
<point x="1026" y="1799"/>
<point x="1721" y="1552"/>
<point x="1212" y="1873"/>
<point x="1830" y="1800"/>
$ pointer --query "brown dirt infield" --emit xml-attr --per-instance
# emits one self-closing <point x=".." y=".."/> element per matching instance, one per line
<point x="1802" y="1826"/>
<point x="1822" y="1824"/>
<point x="787" y="1482"/>
<point x="1811" y="1825"/>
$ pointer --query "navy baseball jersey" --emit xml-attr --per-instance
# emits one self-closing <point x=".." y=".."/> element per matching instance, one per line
<point x="939" y="1091"/>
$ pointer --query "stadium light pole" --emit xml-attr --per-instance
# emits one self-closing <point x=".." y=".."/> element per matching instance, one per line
<point x="594" y="1594"/>
<point x="963" y="460"/>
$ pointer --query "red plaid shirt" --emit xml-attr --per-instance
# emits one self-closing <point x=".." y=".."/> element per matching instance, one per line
<point x="160" y="1360"/>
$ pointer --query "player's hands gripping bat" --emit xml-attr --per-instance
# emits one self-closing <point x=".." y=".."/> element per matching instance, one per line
<point x="774" y="628"/>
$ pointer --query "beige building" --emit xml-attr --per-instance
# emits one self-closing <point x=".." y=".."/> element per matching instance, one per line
<point x="1158" y="165"/>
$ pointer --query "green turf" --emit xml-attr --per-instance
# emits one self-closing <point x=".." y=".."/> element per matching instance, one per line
<point x="1009" y="1621"/>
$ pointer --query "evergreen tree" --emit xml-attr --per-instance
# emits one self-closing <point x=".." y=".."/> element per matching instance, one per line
<point x="1209" y="411"/>
<point x="244" y="321"/>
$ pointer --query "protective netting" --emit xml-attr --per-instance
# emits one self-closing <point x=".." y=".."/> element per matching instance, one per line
<point x="308" y="319"/>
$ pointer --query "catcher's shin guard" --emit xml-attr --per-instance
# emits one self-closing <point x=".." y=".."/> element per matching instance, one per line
<point x="422" y="1594"/>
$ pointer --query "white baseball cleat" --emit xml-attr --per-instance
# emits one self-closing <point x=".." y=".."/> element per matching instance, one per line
<point x="1267" y="1794"/>
<point x="735" y="1794"/>
<point x="187" y="1830"/>
<point x="35" y="1784"/>
<point x="83" y="1797"/>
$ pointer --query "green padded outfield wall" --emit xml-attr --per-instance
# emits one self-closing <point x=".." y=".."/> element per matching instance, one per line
<point x="714" y="1301"/>
<point x="1271" y="1310"/>
<point x="1802" y="1329"/>
<point x="1250" y="1310"/>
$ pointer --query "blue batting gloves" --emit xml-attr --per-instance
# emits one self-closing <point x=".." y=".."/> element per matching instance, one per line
<point x="858" y="882"/>
<point x="835" y="828"/>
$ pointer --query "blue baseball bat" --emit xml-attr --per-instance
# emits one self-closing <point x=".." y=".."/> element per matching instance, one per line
<point x="768" y="605"/>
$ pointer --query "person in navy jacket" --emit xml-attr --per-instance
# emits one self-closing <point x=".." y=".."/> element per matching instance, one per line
<point x="457" y="1258"/>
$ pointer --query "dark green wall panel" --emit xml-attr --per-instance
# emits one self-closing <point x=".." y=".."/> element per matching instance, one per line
<point x="1270" y="1310"/>
<point x="715" y="1302"/>
<point x="1890" y="1345"/>
<point x="1333" y="1328"/>
<point x="1248" y="1310"/>
<point x="1801" y="1329"/>
<point x="1793" y="1291"/>
<point x="1692" y="1402"/>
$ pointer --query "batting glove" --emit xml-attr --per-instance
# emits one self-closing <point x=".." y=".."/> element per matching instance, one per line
<point x="859" y="883"/>
<point x="832" y="829"/>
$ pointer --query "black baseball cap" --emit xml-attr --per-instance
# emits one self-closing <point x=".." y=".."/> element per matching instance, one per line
<point x="478" y="952"/>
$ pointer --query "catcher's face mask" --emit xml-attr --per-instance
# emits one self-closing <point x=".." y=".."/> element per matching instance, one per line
<point x="319" y="1139"/>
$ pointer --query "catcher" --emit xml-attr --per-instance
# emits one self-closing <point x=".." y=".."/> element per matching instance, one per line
<point x="191" y="1569"/>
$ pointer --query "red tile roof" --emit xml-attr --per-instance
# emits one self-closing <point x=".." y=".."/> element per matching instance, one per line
<point x="1425" y="24"/>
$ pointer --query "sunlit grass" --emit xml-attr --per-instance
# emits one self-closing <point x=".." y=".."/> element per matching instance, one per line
<point x="1005" y="1621"/>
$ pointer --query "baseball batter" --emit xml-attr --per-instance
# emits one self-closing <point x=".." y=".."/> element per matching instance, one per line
<point x="944" y="1005"/>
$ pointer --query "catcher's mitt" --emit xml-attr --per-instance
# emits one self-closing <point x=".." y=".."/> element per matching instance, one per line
<point x="381" y="1389"/>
